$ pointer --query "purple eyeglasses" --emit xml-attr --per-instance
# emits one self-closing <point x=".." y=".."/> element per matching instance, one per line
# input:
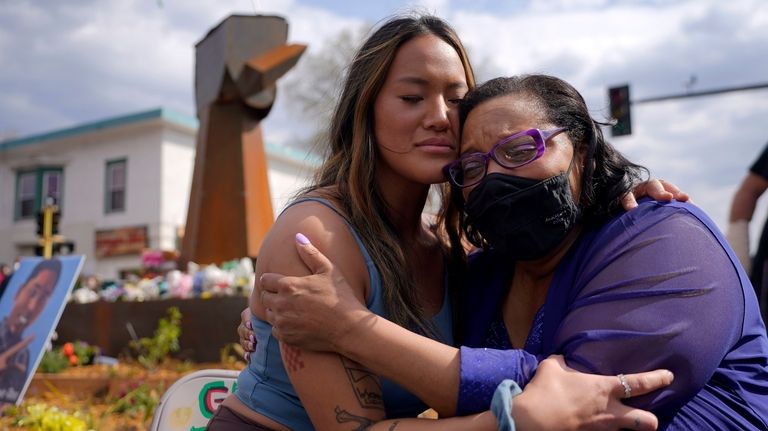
<point x="510" y="152"/>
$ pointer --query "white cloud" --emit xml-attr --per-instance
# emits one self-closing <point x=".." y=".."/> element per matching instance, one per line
<point x="70" y="62"/>
<point x="704" y="145"/>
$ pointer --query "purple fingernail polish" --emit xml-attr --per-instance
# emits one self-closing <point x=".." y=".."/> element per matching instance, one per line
<point x="301" y="239"/>
<point x="247" y="356"/>
<point x="252" y="338"/>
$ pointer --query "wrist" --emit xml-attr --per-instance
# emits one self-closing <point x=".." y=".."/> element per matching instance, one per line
<point x="502" y="404"/>
<point x="351" y="335"/>
<point x="520" y="412"/>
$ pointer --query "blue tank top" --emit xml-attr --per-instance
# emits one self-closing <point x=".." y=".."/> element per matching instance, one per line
<point x="264" y="385"/>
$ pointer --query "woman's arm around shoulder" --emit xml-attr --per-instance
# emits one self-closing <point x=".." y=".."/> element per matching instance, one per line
<point x="334" y="390"/>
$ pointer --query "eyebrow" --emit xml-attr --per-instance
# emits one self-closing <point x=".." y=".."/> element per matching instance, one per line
<point x="500" y="138"/>
<point x="469" y="150"/>
<point x="421" y="81"/>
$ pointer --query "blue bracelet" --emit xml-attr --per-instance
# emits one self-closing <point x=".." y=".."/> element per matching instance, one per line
<point x="501" y="404"/>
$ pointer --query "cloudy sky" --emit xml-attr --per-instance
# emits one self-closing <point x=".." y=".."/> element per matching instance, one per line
<point x="64" y="63"/>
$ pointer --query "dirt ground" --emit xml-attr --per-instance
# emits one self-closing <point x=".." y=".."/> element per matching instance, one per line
<point x="119" y="398"/>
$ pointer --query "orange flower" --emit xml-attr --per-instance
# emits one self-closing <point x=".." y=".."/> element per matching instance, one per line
<point x="68" y="349"/>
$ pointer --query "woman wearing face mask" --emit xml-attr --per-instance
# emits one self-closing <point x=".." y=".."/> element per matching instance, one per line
<point x="562" y="270"/>
<point x="395" y="127"/>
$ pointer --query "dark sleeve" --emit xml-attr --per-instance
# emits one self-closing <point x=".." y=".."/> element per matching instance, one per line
<point x="659" y="290"/>
<point x="760" y="167"/>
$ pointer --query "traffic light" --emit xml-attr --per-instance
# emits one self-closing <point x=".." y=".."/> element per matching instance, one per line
<point x="619" y="100"/>
<point x="47" y="230"/>
<point x="40" y="223"/>
<point x="55" y="217"/>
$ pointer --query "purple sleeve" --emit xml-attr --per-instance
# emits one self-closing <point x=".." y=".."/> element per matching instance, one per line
<point x="483" y="369"/>
<point x="656" y="289"/>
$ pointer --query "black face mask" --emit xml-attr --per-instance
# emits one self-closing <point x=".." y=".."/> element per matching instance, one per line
<point x="522" y="217"/>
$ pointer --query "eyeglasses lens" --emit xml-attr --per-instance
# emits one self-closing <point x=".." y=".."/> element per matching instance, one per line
<point x="516" y="152"/>
<point x="472" y="169"/>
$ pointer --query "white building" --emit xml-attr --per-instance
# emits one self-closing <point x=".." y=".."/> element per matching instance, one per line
<point x="122" y="185"/>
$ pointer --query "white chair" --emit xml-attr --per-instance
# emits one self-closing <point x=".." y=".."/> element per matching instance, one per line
<point x="191" y="401"/>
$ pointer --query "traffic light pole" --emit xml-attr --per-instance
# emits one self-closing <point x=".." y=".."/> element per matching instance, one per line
<point x="620" y="102"/>
<point x="47" y="240"/>
<point x="47" y="231"/>
<point x="700" y="93"/>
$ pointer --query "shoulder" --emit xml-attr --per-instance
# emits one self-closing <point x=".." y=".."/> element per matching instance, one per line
<point x="329" y="232"/>
<point x="652" y="214"/>
<point x="657" y="235"/>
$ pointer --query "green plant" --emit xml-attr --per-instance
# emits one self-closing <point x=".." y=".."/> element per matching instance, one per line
<point x="141" y="400"/>
<point x="40" y="417"/>
<point x="231" y="355"/>
<point x="151" y="351"/>
<point x="53" y="361"/>
<point x="79" y="352"/>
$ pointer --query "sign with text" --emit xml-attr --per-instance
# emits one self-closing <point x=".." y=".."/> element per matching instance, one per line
<point x="121" y="241"/>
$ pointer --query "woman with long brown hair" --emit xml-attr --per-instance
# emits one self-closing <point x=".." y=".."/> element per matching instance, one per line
<point x="394" y="128"/>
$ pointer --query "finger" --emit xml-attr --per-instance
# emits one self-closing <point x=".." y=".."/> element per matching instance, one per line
<point x="274" y="283"/>
<point x="643" y="383"/>
<point x="270" y="315"/>
<point x="245" y="317"/>
<point x="655" y="189"/>
<point x="677" y="194"/>
<point x="268" y="300"/>
<point x="628" y="201"/>
<point x="242" y="333"/>
<point x="315" y="261"/>
<point x="247" y="356"/>
<point x="636" y="419"/>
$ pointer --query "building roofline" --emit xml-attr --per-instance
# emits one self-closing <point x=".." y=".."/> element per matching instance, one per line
<point x="157" y="113"/>
<point x="171" y="116"/>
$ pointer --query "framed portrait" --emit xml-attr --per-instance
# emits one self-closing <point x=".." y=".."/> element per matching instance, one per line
<point x="30" y="308"/>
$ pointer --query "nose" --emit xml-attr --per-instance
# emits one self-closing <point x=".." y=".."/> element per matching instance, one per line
<point x="493" y="167"/>
<point x="33" y="303"/>
<point x="437" y="117"/>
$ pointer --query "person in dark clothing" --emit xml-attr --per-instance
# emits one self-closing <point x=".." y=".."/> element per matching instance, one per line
<point x="754" y="184"/>
<point x="5" y="276"/>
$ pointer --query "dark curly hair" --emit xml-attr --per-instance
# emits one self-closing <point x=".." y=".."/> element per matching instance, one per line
<point x="606" y="175"/>
<point x="53" y="265"/>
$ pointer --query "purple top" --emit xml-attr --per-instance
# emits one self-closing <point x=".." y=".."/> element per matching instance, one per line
<point x="655" y="287"/>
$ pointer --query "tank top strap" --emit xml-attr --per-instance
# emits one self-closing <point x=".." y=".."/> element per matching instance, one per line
<point x="374" y="300"/>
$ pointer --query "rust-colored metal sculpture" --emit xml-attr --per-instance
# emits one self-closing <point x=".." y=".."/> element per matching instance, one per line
<point x="236" y="69"/>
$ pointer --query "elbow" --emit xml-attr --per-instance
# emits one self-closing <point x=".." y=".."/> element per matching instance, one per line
<point x="445" y="411"/>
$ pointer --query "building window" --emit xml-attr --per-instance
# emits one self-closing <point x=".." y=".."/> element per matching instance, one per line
<point x="115" y="186"/>
<point x="33" y="187"/>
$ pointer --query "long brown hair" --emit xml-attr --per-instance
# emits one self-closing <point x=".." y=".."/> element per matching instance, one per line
<point x="348" y="174"/>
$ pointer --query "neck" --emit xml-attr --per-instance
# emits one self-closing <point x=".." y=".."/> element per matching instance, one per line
<point x="405" y="202"/>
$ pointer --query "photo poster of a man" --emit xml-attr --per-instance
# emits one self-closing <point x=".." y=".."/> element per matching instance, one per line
<point x="30" y="309"/>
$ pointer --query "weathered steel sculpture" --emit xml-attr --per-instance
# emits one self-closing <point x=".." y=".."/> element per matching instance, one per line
<point x="236" y="70"/>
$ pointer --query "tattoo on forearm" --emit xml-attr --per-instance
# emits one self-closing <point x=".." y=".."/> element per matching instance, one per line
<point x="394" y="425"/>
<point x="343" y="416"/>
<point x="292" y="358"/>
<point x="366" y="385"/>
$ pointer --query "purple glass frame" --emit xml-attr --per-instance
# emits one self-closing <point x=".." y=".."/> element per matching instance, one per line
<point x="540" y="137"/>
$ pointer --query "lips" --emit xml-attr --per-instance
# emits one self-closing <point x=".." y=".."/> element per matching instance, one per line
<point x="437" y="142"/>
